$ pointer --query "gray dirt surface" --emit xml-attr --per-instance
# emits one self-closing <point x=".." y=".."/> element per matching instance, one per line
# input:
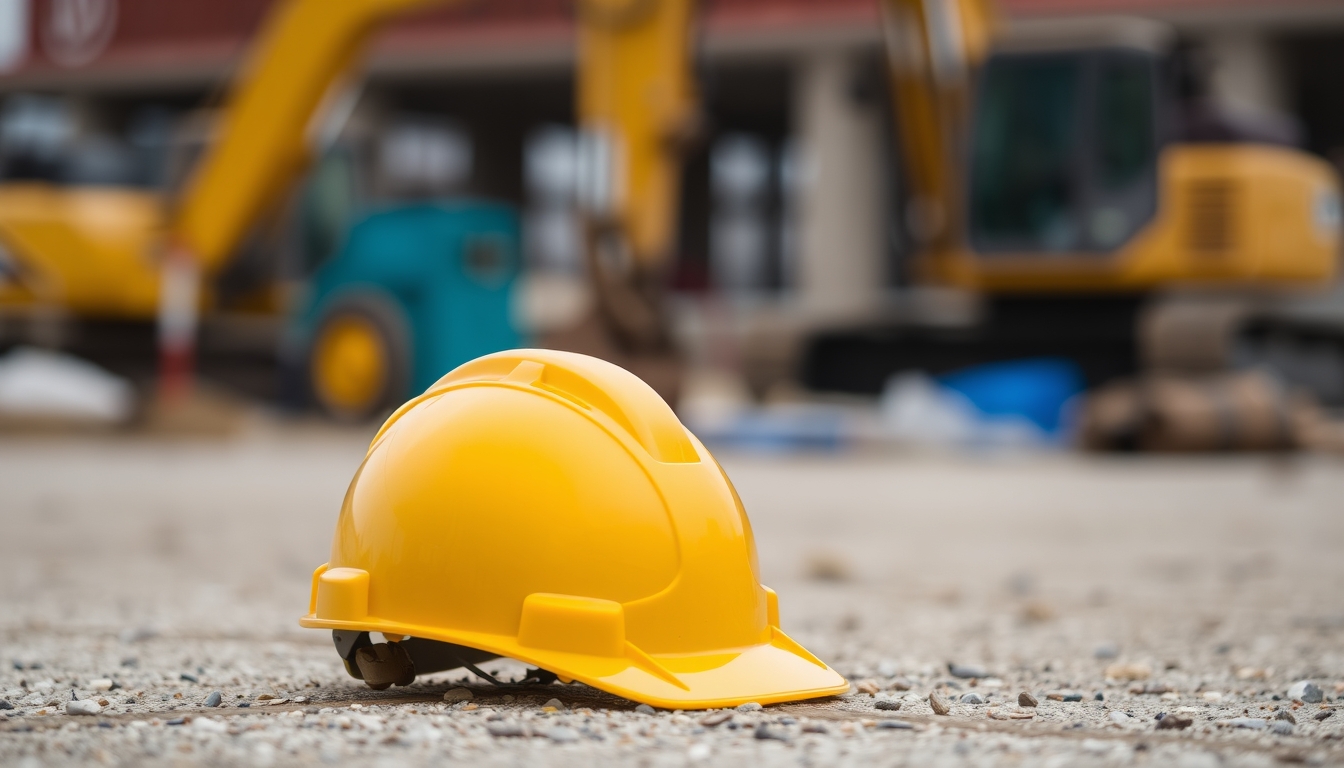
<point x="178" y="568"/>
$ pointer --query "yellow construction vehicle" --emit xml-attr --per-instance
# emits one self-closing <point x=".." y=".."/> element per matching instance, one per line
<point x="1052" y="170"/>
<point x="1055" y="170"/>
<point x="388" y="314"/>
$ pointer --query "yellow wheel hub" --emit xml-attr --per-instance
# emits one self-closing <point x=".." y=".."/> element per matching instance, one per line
<point x="349" y="364"/>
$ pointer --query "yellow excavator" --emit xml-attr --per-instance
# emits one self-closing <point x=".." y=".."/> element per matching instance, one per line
<point x="1068" y="173"/>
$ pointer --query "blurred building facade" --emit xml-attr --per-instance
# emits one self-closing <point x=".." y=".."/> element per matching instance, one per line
<point x="793" y="192"/>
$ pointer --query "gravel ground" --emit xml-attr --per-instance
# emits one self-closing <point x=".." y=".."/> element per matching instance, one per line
<point x="140" y="577"/>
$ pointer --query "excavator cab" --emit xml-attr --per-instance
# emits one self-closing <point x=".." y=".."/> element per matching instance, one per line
<point x="1064" y="150"/>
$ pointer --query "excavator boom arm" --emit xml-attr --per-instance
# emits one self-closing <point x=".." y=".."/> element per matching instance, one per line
<point x="291" y="80"/>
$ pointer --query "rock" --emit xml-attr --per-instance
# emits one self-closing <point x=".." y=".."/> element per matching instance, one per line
<point x="939" y="708"/>
<point x="750" y="706"/>
<point x="999" y="714"/>
<point x="1106" y="651"/>
<point x="1152" y="688"/>
<point x="901" y="684"/>
<point x="868" y="686"/>
<point x="1025" y="699"/>
<point x="716" y="718"/>
<point x="188" y="678"/>
<point x="765" y="732"/>
<point x="505" y="729"/>
<point x="1323" y="714"/>
<point x="454" y="695"/>
<point x="1098" y="696"/>
<point x="1249" y="723"/>
<point x="214" y="699"/>
<point x="1281" y="728"/>
<point x="85" y="707"/>
<point x="1117" y="716"/>
<point x="562" y="735"/>
<point x="1173" y="723"/>
<point x="5" y="704"/>
<point x="815" y="728"/>
<point x="1306" y="691"/>
<point x="966" y="670"/>
<point x="1286" y="715"/>
<point x="972" y="698"/>
<point x="1128" y="672"/>
<point x="101" y="684"/>
<point x="645" y="709"/>
<point x="555" y="704"/>
<point x="887" y="705"/>
<point x="1064" y="696"/>
<point x="896" y="725"/>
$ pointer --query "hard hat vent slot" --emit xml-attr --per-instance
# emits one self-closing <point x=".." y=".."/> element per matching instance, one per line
<point x="591" y="384"/>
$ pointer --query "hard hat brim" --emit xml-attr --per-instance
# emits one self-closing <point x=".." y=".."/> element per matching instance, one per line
<point x="768" y="673"/>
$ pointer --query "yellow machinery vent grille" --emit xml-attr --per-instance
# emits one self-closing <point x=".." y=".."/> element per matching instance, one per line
<point x="1211" y="209"/>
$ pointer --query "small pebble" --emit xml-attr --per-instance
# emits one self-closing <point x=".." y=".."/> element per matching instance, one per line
<point x="1120" y="717"/>
<point x="1281" y="728"/>
<point x="868" y="686"/>
<point x="101" y="684"/>
<point x="750" y="706"/>
<point x="1286" y="715"/>
<point x="176" y="721"/>
<point x="765" y="732"/>
<point x="1098" y="696"/>
<point x="214" y="699"/>
<point x="716" y="718"/>
<point x="939" y="708"/>
<point x="85" y="707"/>
<point x="1025" y="699"/>
<point x="815" y="728"/>
<point x="1306" y="691"/>
<point x="896" y="725"/>
<point x="1323" y="714"/>
<point x="966" y="670"/>
<point x="562" y="735"/>
<point x="972" y="698"/>
<point x="556" y="704"/>
<point x="1173" y="723"/>
<point x="5" y="704"/>
<point x="453" y="695"/>
<point x="1250" y="723"/>
<point x="645" y="709"/>
<point x="505" y="729"/>
<point x="887" y="704"/>
<point x="188" y="678"/>
<point x="1106" y="651"/>
<point x="901" y="684"/>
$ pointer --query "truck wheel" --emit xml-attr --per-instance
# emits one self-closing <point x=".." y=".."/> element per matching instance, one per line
<point x="359" y="360"/>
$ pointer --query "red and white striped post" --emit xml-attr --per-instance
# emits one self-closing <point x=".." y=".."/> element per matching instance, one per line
<point x="179" y="297"/>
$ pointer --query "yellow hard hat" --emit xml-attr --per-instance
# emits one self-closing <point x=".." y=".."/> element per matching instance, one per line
<point x="549" y="507"/>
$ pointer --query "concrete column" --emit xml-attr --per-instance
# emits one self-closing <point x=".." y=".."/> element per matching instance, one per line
<point x="839" y="201"/>
<point x="1247" y="72"/>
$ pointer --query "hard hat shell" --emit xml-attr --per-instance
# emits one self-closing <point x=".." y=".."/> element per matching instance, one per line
<point x="549" y="507"/>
